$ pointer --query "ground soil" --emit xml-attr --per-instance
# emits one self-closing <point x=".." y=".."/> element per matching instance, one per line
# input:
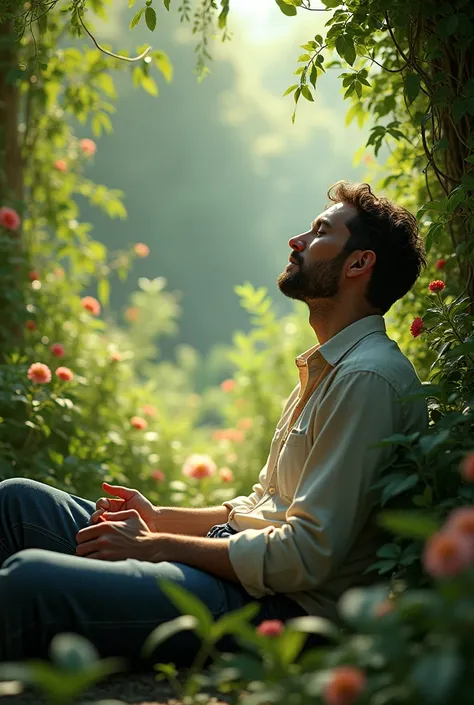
<point x="136" y="689"/>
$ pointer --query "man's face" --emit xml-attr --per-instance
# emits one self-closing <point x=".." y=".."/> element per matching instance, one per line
<point x="317" y="259"/>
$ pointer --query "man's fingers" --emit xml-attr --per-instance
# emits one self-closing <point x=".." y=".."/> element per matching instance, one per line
<point x="96" y="516"/>
<point x="92" y="532"/>
<point x="109" y="505"/>
<point x="123" y="492"/>
<point x="85" y="549"/>
<point x="121" y="516"/>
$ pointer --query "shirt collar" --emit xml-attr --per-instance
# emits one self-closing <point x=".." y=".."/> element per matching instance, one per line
<point x="340" y="344"/>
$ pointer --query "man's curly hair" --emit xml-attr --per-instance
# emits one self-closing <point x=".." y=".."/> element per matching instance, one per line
<point x="388" y="230"/>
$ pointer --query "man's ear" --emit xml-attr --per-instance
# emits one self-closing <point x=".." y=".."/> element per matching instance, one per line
<point x="365" y="262"/>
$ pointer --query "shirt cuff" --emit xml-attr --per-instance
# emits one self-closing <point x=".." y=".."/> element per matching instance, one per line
<point x="242" y="501"/>
<point x="247" y="550"/>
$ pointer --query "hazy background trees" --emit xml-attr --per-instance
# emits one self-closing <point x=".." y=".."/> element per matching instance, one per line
<point x="216" y="176"/>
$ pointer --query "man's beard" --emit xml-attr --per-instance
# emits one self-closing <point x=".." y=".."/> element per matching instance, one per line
<point x="318" y="281"/>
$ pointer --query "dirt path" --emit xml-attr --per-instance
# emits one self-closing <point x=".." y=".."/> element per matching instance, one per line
<point x="137" y="689"/>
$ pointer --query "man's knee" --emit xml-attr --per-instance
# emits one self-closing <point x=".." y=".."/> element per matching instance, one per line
<point x="17" y="486"/>
<point x="16" y="492"/>
<point x="26" y="573"/>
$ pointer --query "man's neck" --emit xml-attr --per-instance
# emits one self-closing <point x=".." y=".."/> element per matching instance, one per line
<point x="327" y="319"/>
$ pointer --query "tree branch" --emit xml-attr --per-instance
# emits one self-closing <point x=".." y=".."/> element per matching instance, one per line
<point x="110" y="53"/>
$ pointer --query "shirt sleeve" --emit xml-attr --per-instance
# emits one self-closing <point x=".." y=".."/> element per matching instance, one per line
<point x="333" y="499"/>
<point x="248" y="502"/>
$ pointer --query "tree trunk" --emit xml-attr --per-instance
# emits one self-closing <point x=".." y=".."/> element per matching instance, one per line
<point x="460" y="66"/>
<point x="11" y="191"/>
<point x="11" y="171"/>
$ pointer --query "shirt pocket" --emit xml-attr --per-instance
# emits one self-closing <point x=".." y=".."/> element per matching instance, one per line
<point x="291" y="462"/>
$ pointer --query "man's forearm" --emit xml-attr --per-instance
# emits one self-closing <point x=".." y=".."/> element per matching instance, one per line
<point x="209" y="555"/>
<point x="189" y="522"/>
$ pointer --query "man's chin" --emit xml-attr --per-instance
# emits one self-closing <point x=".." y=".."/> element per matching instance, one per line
<point x="290" y="287"/>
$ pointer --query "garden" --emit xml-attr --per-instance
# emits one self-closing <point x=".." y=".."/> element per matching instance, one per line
<point x="86" y="396"/>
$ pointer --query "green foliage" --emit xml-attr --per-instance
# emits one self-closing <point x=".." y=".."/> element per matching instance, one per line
<point x="427" y="474"/>
<point x="74" y="667"/>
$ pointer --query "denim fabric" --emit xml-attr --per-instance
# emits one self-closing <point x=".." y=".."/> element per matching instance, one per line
<point x="46" y="589"/>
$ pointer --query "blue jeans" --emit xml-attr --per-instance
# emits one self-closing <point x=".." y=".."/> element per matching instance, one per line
<point x="46" y="589"/>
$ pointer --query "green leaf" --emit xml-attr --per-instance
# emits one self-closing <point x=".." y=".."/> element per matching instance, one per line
<point x="168" y="669"/>
<point x="389" y="550"/>
<point x="166" y="630"/>
<point x="411" y="85"/>
<point x="341" y="45"/>
<point x="431" y="442"/>
<point x="350" y="52"/>
<point x="313" y="76"/>
<point x="314" y="625"/>
<point x="149" y="85"/>
<point x="72" y="652"/>
<point x="410" y="524"/>
<point x="288" y="10"/>
<point x="61" y="689"/>
<point x="463" y="349"/>
<point x="358" y="605"/>
<point x="163" y="64"/>
<point x="383" y="566"/>
<point x="306" y="93"/>
<point x="103" y="290"/>
<point x="431" y="235"/>
<point x="459" y="109"/>
<point x="290" y="90"/>
<point x="222" y="19"/>
<point x="187" y="603"/>
<point x="289" y="646"/>
<point x="398" y="486"/>
<point x="396" y="439"/>
<point x="137" y="17"/>
<point x="436" y="205"/>
<point x="234" y="622"/>
<point x="166" y="3"/>
<point x="440" y="145"/>
<point x="436" y="674"/>
<point x="150" y="18"/>
<point x="447" y="26"/>
<point x="43" y="23"/>
<point x="468" y="181"/>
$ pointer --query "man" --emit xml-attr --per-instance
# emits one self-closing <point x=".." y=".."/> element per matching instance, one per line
<point x="304" y="535"/>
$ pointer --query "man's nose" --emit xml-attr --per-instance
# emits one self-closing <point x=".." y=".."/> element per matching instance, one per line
<point x="297" y="243"/>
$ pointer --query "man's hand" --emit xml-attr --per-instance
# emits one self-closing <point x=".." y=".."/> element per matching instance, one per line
<point x="129" y="499"/>
<point x="117" y="536"/>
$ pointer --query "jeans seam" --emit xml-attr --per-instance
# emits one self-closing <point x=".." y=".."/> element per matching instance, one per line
<point x="5" y="547"/>
<point x="44" y="532"/>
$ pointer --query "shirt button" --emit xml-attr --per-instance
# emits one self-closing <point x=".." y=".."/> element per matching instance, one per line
<point x="271" y="490"/>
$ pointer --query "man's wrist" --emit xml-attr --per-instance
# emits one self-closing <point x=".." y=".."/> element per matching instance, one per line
<point x="159" y="547"/>
<point x="159" y="518"/>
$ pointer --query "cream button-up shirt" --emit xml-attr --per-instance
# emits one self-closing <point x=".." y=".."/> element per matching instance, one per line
<point x="307" y="529"/>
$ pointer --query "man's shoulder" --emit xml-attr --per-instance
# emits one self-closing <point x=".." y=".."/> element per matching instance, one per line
<point x="380" y="355"/>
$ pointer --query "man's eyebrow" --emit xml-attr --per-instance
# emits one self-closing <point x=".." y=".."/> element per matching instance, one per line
<point x="323" y="220"/>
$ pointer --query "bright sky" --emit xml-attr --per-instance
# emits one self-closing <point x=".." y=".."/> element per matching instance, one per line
<point x="264" y="18"/>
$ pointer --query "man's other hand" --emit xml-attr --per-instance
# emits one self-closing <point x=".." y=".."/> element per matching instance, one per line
<point x="128" y="499"/>
<point x="118" y="536"/>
